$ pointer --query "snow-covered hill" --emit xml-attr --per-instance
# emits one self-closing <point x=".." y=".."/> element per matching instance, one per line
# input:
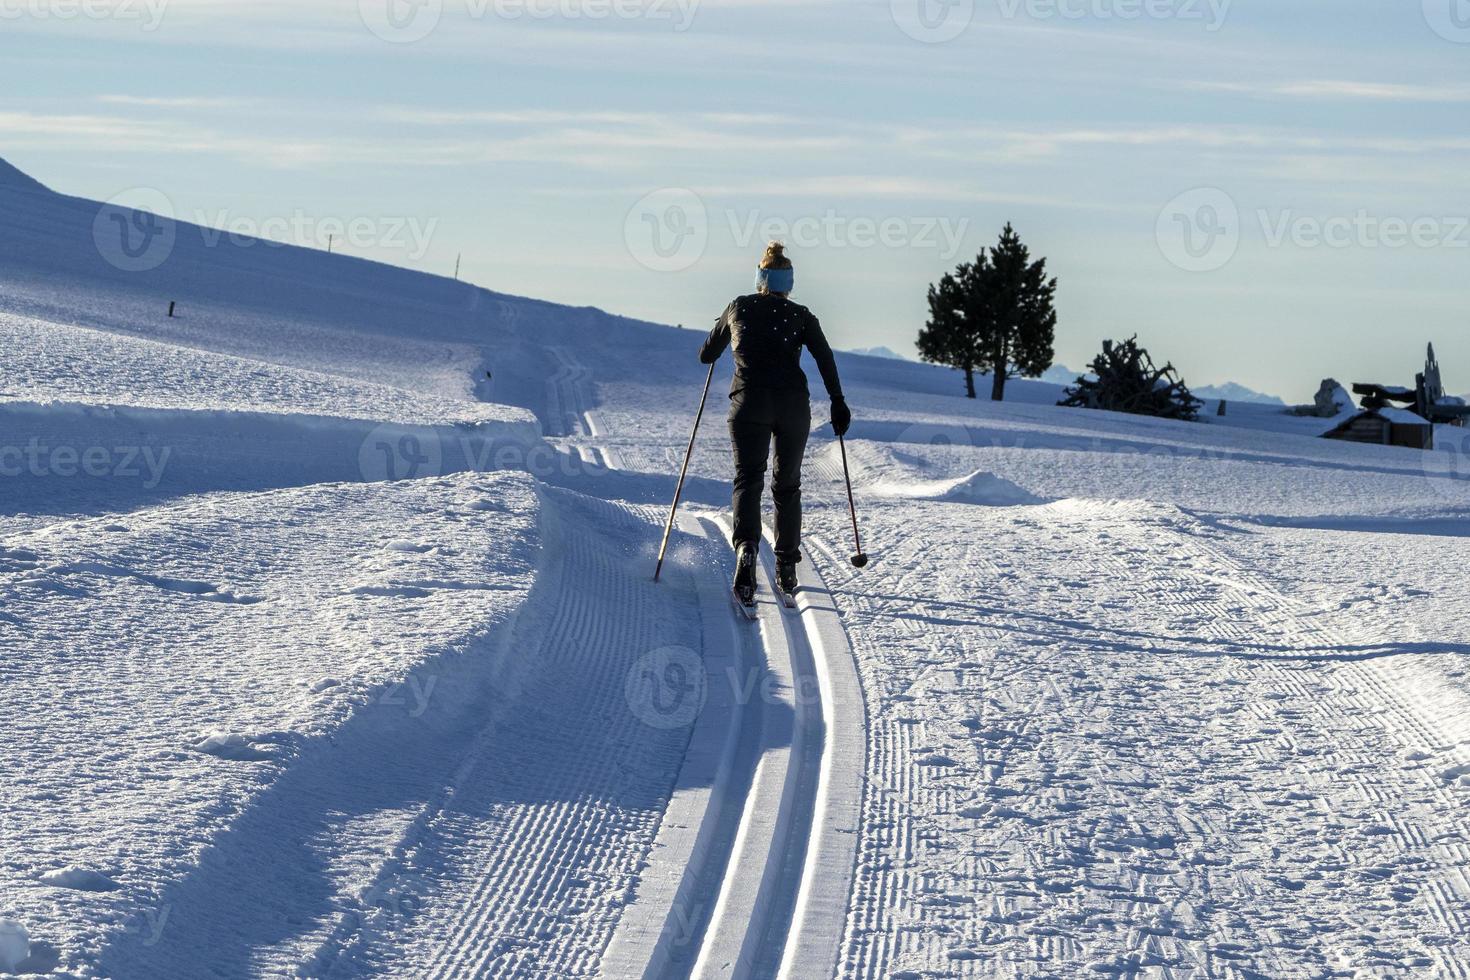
<point x="324" y="654"/>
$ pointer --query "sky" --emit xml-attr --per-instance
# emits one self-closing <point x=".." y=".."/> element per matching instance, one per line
<point x="1265" y="191"/>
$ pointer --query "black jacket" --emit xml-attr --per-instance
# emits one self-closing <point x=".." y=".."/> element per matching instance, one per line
<point x="767" y="333"/>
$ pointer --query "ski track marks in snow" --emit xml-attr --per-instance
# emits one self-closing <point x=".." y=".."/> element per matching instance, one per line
<point x="760" y="885"/>
<point x="526" y="865"/>
<point x="1150" y="768"/>
<point x="495" y="829"/>
<point x="141" y="692"/>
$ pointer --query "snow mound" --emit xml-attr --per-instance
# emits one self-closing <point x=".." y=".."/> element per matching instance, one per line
<point x="78" y="878"/>
<point x="236" y="748"/>
<point x="15" y="944"/>
<point x="980" y="487"/>
<point x="408" y="547"/>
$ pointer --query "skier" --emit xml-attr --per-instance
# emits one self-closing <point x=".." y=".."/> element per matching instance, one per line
<point x="769" y="398"/>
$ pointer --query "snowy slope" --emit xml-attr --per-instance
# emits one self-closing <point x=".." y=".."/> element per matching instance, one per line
<point x="372" y="680"/>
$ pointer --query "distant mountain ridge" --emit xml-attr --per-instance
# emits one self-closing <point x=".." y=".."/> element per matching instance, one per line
<point x="1233" y="392"/>
<point x="1060" y="374"/>
<point x="887" y="352"/>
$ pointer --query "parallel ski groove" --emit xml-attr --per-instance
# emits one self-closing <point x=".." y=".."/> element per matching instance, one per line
<point x="814" y="945"/>
<point x="661" y="933"/>
<point x="538" y="881"/>
<point x="752" y="910"/>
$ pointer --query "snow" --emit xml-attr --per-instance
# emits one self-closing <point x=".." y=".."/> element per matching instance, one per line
<point x="341" y="658"/>
<point x="15" y="944"/>
<point x="1401" y="416"/>
<point x="81" y="879"/>
<point x="976" y="488"/>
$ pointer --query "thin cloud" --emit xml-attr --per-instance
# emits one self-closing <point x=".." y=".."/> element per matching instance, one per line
<point x="176" y="102"/>
<point x="546" y="117"/>
<point x="1344" y="89"/>
<point x="867" y="187"/>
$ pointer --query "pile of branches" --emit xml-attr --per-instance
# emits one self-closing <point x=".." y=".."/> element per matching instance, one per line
<point x="1124" y="379"/>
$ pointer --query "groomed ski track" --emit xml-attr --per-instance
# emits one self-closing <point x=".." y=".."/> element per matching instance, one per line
<point x="751" y="878"/>
<point x="753" y="863"/>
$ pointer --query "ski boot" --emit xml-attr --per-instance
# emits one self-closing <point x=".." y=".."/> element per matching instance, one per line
<point x="786" y="582"/>
<point x="744" y="587"/>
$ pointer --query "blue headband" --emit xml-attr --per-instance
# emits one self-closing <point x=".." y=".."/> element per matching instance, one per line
<point x="776" y="280"/>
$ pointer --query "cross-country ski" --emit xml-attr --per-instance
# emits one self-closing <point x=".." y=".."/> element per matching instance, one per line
<point x="745" y="603"/>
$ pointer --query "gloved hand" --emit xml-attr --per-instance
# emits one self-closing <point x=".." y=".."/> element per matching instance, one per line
<point x="841" y="416"/>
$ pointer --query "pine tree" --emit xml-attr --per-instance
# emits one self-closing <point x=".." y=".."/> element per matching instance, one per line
<point x="993" y="315"/>
<point x="1023" y="330"/>
<point x="947" y="338"/>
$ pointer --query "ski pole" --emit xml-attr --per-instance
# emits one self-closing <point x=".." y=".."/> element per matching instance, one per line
<point x="859" y="560"/>
<point x="679" y="490"/>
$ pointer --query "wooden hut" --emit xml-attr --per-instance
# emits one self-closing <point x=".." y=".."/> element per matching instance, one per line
<point x="1386" y="426"/>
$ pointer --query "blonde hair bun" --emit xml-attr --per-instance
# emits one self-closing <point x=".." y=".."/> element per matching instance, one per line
<point x="775" y="257"/>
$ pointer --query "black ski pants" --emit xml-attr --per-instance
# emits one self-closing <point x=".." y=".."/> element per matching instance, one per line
<point x="758" y="415"/>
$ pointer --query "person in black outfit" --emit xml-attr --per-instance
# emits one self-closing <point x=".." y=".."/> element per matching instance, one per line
<point x="769" y="399"/>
